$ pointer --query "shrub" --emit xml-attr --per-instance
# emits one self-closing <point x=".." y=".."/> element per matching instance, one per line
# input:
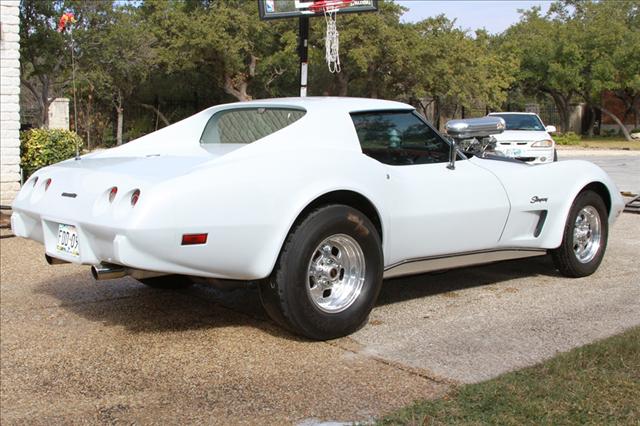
<point x="568" y="138"/>
<point x="42" y="147"/>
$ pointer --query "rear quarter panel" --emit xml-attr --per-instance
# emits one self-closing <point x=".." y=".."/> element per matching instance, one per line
<point x="248" y="205"/>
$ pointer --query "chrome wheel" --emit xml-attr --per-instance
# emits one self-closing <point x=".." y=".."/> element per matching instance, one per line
<point x="336" y="273"/>
<point x="587" y="234"/>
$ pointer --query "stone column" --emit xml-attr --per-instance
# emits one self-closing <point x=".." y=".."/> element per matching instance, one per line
<point x="59" y="114"/>
<point x="9" y="100"/>
<point x="575" y="118"/>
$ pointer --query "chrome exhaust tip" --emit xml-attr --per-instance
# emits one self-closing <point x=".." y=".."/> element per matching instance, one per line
<point x="54" y="260"/>
<point x="107" y="271"/>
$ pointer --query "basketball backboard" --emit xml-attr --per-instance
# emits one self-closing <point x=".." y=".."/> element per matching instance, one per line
<point x="275" y="9"/>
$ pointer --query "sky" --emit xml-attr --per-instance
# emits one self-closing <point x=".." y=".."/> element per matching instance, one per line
<point x="495" y="16"/>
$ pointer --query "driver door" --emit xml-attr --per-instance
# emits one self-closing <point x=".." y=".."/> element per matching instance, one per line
<point x="433" y="210"/>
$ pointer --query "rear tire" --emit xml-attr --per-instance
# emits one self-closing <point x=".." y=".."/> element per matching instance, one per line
<point x="585" y="236"/>
<point x="168" y="282"/>
<point x="328" y="275"/>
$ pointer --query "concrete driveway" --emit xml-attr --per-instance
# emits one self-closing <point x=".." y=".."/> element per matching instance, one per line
<point x="622" y="166"/>
<point x="76" y="351"/>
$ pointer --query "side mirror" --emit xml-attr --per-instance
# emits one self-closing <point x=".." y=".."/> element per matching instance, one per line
<point x="472" y="128"/>
<point x="551" y="129"/>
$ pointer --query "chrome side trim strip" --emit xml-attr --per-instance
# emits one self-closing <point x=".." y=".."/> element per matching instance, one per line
<point x="435" y="263"/>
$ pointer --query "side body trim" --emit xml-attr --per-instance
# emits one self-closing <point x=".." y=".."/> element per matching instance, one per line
<point x="435" y="263"/>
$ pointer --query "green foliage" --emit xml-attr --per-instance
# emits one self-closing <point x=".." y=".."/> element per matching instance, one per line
<point x="578" y="50"/>
<point x="596" y="384"/>
<point x="42" y="147"/>
<point x="177" y="57"/>
<point x="569" y="138"/>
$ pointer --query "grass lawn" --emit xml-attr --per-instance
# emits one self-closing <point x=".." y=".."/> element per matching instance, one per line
<point x="599" y="143"/>
<point x="610" y="143"/>
<point x="595" y="384"/>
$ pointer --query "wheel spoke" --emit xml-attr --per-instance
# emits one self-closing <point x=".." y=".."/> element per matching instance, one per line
<point x="337" y="268"/>
<point x="587" y="234"/>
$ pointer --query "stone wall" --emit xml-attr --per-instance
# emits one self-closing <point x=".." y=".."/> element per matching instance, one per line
<point x="9" y="100"/>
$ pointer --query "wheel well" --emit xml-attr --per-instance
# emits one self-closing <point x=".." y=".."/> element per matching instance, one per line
<point x="600" y="189"/>
<point x="348" y="198"/>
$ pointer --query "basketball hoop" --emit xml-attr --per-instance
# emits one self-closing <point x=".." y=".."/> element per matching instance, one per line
<point x="332" y="38"/>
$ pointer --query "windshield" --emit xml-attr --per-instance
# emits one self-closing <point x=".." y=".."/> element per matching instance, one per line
<point x="521" y="121"/>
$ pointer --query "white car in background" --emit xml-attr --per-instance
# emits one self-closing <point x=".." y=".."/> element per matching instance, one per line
<point x="526" y="138"/>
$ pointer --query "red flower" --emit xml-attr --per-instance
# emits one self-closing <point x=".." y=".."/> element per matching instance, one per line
<point x="65" y="21"/>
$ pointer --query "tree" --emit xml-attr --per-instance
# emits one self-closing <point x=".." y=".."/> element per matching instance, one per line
<point x="579" y="50"/>
<point x="225" y="41"/>
<point x="451" y="69"/>
<point x="551" y="60"/>
<point x="43" y="53"/>
<point x="116" y="56"/>
<point x="608" y="36"/>
<point x="372" y="52"/>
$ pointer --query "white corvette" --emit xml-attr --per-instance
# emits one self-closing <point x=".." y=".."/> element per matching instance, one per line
<point x="316" y="199"/>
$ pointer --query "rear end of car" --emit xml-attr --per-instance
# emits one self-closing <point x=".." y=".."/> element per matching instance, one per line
<point x="75" y="214"/>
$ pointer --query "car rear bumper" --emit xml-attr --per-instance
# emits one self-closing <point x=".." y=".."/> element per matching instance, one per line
<point x="146" y="249"/>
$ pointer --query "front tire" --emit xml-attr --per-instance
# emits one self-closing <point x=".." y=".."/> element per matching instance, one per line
<point x="328" y="275"/>
<point x="585" y="237"/>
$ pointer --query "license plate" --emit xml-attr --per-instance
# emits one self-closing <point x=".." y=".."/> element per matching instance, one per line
<point x="514" y="152"/>
<point x="68" y="240"/>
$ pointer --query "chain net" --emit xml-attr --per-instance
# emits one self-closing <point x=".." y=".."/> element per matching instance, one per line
<point x="332" y="40"/>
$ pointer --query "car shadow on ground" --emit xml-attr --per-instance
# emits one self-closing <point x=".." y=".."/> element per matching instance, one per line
<point x="418" y="286"/>
<point x="140" y="309"/>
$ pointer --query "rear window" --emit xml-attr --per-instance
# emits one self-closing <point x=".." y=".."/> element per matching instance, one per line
<point x="246" y="125"/>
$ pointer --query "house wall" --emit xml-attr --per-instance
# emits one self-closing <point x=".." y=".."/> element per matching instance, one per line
<point x="9" y="100"/>
<point x="617" y="107"/>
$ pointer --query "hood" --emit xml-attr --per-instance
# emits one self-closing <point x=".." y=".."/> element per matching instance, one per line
<point x="522" y="135"/>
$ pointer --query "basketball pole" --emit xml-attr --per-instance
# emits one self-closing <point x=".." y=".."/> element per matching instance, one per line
<point x="303" y="51"/>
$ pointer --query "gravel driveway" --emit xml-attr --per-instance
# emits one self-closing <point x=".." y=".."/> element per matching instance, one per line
<point x="76" y="351"/>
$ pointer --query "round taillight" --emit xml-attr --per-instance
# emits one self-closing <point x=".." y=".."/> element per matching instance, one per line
<point x="112" y="194"/>
<point x="135" y="197"/>
<point x="35" y="180"/>
<point x="47" y="184"/>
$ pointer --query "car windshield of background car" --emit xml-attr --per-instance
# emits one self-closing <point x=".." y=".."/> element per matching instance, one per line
<point x="521" y="122"/>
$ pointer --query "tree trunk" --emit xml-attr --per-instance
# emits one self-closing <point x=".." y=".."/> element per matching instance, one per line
<point x="120" y="123"/>
<point x="237" y="87"/>
<point x="159" y="114"/>
<point x="592" y="120"/>
<point x="238" y="84"/>
<point x="623" y="128"/>
<point x="562" y="104"/>
<point x="371" y="83"/>
<point x="436" y="113"/>
<point x="89" y="117"/>
<point x="120" y="112"/>
<point x="342" y="83"/>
